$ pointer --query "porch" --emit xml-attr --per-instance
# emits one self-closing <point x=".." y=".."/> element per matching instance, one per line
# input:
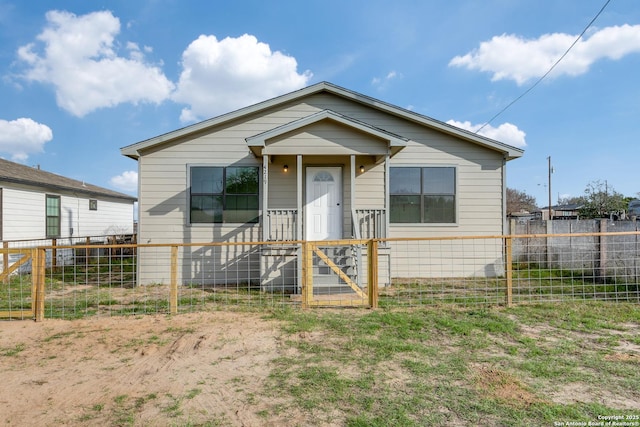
<point x="330" y="193"/>
<point x="325" y="178"/>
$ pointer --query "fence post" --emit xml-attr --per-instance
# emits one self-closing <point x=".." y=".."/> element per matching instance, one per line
<point x="5" y="256"/>
<point x="509" y="269"/>
<point x="602" y="253"/>
<point x="549" y="243"/>
<point x="173" y="286"/>
<point x="38" y="260"/>
<point x="372" y="279"/>
<point x="87" y="251"/>
<point x="307" y="274"/>
<point x="54" y="253"/>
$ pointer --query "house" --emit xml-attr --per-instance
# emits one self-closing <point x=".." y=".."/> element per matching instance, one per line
<point x="35" y="204"/>
<point x="320" y="163"/>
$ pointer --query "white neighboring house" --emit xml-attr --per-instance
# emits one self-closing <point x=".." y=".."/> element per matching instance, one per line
<point x="35" y="204"/>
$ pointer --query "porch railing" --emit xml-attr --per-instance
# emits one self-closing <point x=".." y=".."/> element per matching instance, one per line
<point x="281" y="224"/>
<point x="372" y="223"/>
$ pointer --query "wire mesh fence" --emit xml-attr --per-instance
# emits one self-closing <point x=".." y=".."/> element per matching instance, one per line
<point x="133" y="279"/>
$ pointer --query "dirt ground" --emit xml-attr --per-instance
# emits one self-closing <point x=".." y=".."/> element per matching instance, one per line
<point x="207" y="368"/>
<point x="153" y="370"/>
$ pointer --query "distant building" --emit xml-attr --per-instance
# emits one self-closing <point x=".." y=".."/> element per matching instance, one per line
<point x="35" y="204"/>
<point x="568" y="211"/>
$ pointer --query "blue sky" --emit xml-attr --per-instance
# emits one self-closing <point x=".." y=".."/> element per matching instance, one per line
<point x="82" y="79"/>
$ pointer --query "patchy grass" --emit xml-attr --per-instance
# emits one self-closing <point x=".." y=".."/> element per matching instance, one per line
<point x="528" y="365"/>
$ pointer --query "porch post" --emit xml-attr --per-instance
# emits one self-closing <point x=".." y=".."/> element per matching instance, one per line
<point x="301" y="279"/>
<point x="387" y="199"/>
<point x="265" y="198"/>
<point x="352" y="197"/>
<point x="299" y="185"/>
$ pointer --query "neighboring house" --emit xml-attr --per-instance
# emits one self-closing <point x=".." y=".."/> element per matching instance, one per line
<point x="35" y="204"/>
<point x="319" y="163"/>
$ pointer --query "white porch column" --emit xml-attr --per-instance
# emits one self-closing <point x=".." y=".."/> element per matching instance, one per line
<point x="299" y="184"/>
<point x="265" y="198"/>
<point x="387" y="199"/>
<point x="299" y="235"/>
<point x="352" y="197"/>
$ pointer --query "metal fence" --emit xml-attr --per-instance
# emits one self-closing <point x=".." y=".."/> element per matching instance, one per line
<point x="120" y="279"/>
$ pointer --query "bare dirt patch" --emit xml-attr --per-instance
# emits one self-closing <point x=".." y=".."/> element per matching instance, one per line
<point x="504" y="387"/>
<point x="152" y="370"/>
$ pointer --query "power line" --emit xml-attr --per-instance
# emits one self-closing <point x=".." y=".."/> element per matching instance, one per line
<point x="548" y="71"/>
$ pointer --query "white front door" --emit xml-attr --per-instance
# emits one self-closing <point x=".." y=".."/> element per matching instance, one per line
<point x="323" y="218"/>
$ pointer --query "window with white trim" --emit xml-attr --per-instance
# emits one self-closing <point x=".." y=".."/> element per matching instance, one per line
<point x="422" y="195"/>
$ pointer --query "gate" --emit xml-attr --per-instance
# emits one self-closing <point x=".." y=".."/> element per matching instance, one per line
<point x="32" y="306"/>
<point x="346" y="286"/>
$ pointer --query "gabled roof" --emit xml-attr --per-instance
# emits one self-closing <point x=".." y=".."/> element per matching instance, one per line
<point x="26" y="175"/>
<point x="257" y="142"/>
<point x="508" y="151"/>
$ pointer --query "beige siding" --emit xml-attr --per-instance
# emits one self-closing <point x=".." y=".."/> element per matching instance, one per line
<point x="163" y="171"/>
<point x="326" y="138"/>
<point x="369" y="187"/>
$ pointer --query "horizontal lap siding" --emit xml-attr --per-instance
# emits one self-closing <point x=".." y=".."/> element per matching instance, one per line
<point x="283" y="185"/>
<point x="328" y="138"/>
<point x="23" y="215"/>
<point x="109" y="219"/>
<point x="163" y="172"/>
<point x="369" y="185"/>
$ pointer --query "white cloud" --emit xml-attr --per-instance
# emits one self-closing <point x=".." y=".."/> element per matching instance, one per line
<point x="126" y="181"/>
<point x="505" y="133"/>
<point x="78" y="56"/>
<point x="22" y="137"/>
<point x="223" y="75"/>
<point x="382" y="81"/>
<point x="515" y="58"/>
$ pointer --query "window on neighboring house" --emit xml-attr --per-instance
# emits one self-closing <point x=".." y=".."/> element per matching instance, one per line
<point x="93" y="204"/>
<point x="53" y="216"/>
<point x="422" y="195"/>
<point x="223" y="194"/>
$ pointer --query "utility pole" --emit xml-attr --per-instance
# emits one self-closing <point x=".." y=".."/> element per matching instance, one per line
<point x="550" y="171"/>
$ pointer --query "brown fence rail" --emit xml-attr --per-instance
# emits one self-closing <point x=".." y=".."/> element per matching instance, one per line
<point x="120" y="279"/>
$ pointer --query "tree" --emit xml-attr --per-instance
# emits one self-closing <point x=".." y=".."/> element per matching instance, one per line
<point x="580" y="200"/>
<point x="519" y="201"/>
<point x="601" y="200"/>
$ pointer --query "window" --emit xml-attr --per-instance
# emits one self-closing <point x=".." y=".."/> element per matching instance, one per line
<point x="422" y="195"/>
<point x="93" y="204"/>
<point x="53" y="216"/>
<point x="223" y="195"/>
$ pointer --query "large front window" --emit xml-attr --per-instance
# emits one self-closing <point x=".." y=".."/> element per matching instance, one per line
<point x="422" y="195"/>
<point x="223" y="194"/>
<point x="53" y="216"/>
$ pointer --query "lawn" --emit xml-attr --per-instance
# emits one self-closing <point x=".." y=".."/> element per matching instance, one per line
<point x="545" y="364"/>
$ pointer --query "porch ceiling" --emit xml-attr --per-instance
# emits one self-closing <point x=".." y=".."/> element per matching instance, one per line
<point x="394" y="143"/>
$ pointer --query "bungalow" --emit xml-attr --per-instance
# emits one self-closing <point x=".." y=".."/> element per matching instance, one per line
<point x="35" y="205"/>
<point x="320" y="163"/>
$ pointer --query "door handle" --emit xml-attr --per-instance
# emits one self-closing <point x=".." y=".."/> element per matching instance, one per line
<point x="338" y="204"/>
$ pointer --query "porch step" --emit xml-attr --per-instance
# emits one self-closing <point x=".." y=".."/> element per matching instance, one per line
<point x="325" y="277"/>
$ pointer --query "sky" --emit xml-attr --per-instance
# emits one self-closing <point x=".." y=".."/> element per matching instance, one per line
<point x="81" y="79"/>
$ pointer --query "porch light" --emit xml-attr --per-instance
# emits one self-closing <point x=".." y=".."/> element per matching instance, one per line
<point x="285" y="168"/>
<point x="361" y="168"/>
